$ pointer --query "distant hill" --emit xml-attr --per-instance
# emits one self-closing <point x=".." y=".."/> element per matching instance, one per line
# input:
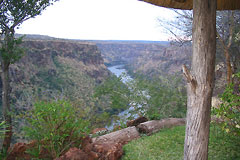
<point x="36" y="37"/>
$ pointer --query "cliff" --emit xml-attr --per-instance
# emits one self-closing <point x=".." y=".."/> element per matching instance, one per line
<point x="54" y="69"/>
<point x="115" y="52"/>
<point x="149" y="58"/>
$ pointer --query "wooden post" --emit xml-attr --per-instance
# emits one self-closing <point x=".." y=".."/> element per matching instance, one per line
<point x="201" y="85"/>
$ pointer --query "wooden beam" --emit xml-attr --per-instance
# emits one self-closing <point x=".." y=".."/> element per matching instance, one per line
<point x="180" y="1"/>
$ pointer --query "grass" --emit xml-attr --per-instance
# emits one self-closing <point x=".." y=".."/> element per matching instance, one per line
<point x="168" y="144"/>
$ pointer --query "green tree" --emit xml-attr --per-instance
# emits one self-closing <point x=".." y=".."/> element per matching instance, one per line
<point x="12" y="14"/>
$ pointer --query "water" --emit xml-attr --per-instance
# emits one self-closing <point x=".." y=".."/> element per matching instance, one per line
<point x="118" y="70"/>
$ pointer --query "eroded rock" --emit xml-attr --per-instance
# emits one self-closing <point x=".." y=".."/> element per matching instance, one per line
<point x="74" y="154"/>
<point x="137" y="121"/>
<point x="108" y="151"/>
<point x="18" y="151"/>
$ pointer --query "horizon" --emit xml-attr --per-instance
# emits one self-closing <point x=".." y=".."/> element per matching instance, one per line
<point x="36" y="36"/>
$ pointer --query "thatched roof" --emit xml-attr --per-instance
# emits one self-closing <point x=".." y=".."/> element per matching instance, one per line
<point x="188" y="4"/>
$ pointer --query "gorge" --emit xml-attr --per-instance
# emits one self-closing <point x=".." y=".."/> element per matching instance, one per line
<point x="53" y="69"/>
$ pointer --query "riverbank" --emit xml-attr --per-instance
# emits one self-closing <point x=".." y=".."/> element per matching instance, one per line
<point x="120" y="71"/>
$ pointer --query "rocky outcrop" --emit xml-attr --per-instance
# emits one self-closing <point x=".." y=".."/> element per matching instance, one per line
<point x="18" y="151"/>
<point x="136" y="121"/>
<point x="74" y="154"/>
<point x="149" y="58"/>
<point x="216" y="102"/>
<point x="52" y="69"/>
<point x="115" y="52"/>
<point x="42" y="53"/>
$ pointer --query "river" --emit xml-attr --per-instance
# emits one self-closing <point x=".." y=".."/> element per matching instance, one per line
<point x="119" y="70"/>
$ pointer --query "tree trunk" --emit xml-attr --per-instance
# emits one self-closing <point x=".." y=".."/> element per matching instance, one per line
<point x="154" y="126"/>
<point x="200" y="80"/>
<point x="121" y="136"/>
<point x="229" y="67"/>
<point x="6" y="105"/>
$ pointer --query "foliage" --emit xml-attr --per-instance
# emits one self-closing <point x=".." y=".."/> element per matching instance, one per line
<point x="2" y="129"/>
<point x="11" y="51"/>
<point x="229" y="110"/>
<point x="155" y="98"/>
<point x="12" y="14"/>
<point x="168" y="144"/>
<point x="117" y="92"/>
<point x="56" y="126"/>
<point x="167" y="97"/>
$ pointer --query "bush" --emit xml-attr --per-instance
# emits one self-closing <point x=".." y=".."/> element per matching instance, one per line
<point x="2" y="129"/>
<point x="229" y="110"/>
<point x="56" y="126"/>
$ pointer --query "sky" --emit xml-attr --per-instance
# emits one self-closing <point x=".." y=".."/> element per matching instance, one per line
<point x="100" y="20"/>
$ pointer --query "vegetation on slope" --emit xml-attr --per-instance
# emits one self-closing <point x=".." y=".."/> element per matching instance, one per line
<point x="155" y="98"/>
<point x="53" y="70"/>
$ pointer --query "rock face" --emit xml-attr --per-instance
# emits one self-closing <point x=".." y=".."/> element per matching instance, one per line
<point x="43" y="53"/>
<point x="108" y="151"/>
<point x="137" y="121"/>
<point x="74" y="154"/>
<point x="128" y="51"/>
<point x="149" y="58"/>
<point x="52" y="69"/>
<point x="18" y="151"/>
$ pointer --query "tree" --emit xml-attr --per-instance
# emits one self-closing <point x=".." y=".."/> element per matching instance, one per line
<point x="200" y="80"/>
<point x="180" y="27"/>
<point x="227" y="22"/>
<point x="12" y="14"/>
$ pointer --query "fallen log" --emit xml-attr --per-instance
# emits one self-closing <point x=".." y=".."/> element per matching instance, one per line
<point x="121" y="136"/>
<point x="153" y="126"/>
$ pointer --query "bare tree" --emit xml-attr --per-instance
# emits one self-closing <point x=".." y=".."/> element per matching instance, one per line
<point x="227" y="24"/>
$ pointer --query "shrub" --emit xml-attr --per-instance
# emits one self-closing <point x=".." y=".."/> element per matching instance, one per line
<point x="2" y="129"/>
<point x="55" y="126"/>
<point x="229" y="110"/>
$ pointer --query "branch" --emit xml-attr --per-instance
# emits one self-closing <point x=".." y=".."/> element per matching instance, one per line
<point x="189" y="78"/>
<point x="221" y="40"/>
<point x="231" y="30"/>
